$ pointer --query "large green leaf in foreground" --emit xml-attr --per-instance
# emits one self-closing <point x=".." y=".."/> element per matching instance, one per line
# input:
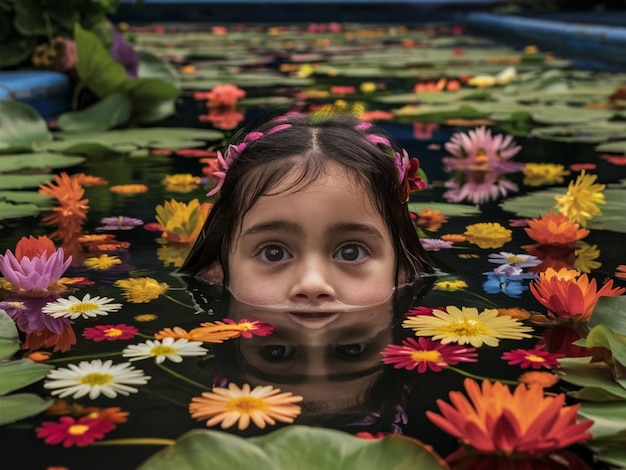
<point x="293" y="447"/>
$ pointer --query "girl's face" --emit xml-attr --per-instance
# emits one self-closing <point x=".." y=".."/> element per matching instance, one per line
<point x="313" y="246"/>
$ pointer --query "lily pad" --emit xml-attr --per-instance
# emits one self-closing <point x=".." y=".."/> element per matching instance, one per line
<point x="569" y="115"/>
<point x="20" y="126"/>
<point x="592" y="132"/>
<point x="31" y="197"/>
<point x="22" y="181"/>
<point x="612" y="147"/>
<point x="14" y="211"/>
<point x="24" y="161"/>
<point x="451" y="210"/>
<point x="111" y="111"/>
<point x="9" y="339"/>
<point x="302" y="447"/>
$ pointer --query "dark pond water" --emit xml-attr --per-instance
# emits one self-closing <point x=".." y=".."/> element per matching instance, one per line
<point x="345" y="388"/>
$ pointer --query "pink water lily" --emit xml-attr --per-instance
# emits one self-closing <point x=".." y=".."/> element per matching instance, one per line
<point x="33" y="276"/>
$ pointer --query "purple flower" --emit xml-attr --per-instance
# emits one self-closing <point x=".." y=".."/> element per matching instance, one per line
<point x="119" y="223"/>
<point x="27" y="314"/>
<point x="521" y="261"/>
<point x="35" y="275"/>
<point x="124" y="53"/>
<point x="435" y="244"/>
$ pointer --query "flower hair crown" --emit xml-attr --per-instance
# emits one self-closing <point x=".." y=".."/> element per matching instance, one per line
<point x="411" y="176"/>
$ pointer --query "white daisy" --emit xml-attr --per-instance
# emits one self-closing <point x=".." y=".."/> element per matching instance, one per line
<point x="74" y="308"/>
<point x="93" y="378"/>
<point x="168" y="348"/>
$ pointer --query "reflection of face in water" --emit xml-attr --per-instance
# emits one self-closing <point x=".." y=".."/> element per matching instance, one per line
<point x="329" y="359"/>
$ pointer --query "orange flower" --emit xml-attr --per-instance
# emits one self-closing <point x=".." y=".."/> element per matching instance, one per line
<point x="129" y="188"/>
<point x="454" y="237"/>
<point x="538" y="378"/>
<point x="525" y="422"/>
<point x="570" y="295"/>
<point x="205" y="334"/>
<point x="431" y="220"/>
<point x="31" y="247"/>
<point x="65" y="189"/>
<point x="89" y="180"/>
<point x="113" y="414"/>
<point x="517" y="313"/>
<point x="555" y="228"/>
<point x="621" y="271"/>
<point x="46" y="339"/>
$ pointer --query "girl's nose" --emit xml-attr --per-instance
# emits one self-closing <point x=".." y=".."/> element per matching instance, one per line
<point x="312" y="284"/>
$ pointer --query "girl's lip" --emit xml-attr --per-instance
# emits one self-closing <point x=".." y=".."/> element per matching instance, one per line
<point x="312" y="320"/>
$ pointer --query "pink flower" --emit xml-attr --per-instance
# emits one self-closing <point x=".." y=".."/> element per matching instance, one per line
<point x="71" y="432"/>
<point x="110" y="332"/>
<point x="535" y="358"/>
<point x="425" y="354"/>
<point x="225" y="95"/>
<point x="34" y="275"/>
<point x="479" y="147"/>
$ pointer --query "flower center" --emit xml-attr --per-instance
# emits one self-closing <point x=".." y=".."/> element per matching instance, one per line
<point x="113" y="332"/>
<point x="534" y="358"/>
<point x="82" y="307"/>
<point x="245" y="404"/>
<point x="481" y="157"/>
<point x="162" y="350"/>
<point x="426" y="356"/>
<point x="514" y="259"/>
<point x="77" y="429"/>
<point x="96" y="378"/>
<point x="466" y="327"/>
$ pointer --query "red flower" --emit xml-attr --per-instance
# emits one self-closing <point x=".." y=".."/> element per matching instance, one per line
<point x="535" y="358"/>
<point x="369" y="435"/>
<point x="248" y="328"/>
<point x="416" y="183"/>
<point x="425" y="354"/>
<point x="110" y="332"/>
<point x="72" y="432"/>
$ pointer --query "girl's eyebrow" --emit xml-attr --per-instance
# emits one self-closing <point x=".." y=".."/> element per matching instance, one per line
<point x="274" y="226"/>
<point x="351" y="227"/>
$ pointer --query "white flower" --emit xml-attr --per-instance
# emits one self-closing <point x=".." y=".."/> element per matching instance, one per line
<point x="74" y="308"/>
<point x="168" y="348"/>
<point x="93" y="378"/>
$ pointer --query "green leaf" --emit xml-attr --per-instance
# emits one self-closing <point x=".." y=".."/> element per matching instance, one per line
<point x="608" y="418"/>
<point x="596" y="380"/>
<point x="152" y="66"/>
<point x="301" y="447"/>
<point x="30" y="197"/>
<point x="152" y="99"/>
<point x="9" y="340"/>
<point x="20" y="126"/>
<point x="22" y="181"/>
<point x="20" y="373"/>
<point x="111" y="111"/>
<point x="612" y="147"/>
<point x="601" y="336"/>
<point x="21" y="405"/>
<point x="14" y="211"/>
<point x="609" y="311"/>
<point x="24" y="161"/>
<point x="96" y="67"/>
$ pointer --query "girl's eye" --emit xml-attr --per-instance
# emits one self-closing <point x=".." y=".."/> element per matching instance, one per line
<point x="351" y="351"/>
<point x="277" y="352"/>
<point x="274" y="254"/>
<point x="350" y="252"/>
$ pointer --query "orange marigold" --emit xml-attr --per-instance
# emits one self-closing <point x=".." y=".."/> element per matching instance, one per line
<point x="555" y="228"/>
<point x="431" y="220"/>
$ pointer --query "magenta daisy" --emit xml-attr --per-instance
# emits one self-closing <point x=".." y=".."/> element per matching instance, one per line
<point x="34" y="275"/>
<point x="423" y="354"/>
<point x="75" y="432"/>
<point x="110" y="332"/>
<point x="532" y="358"/>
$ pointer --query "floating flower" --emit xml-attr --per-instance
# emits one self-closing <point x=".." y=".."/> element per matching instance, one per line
<point x="110" y="332"/>
<point x="488" y="234"/>
<point x="433" y="244"/>
<point x="129" y="189"/>
<point x="525" y="422"/>
<point x="539" y="379"/>
<point x="517" y="313"/>
<point x="450" y="285"/>
<point x="113" y="414"/>
<point x="580" y="202"/>
<point x="168" y="348"/>
<point x="539" y="174"/>
<point x="67" y="190"/>
<point x="119" y="223"/>
<point x="181" y="183"/>
<point x="425" y="354"/>
<point x="141" y="289"/>
<point x="74" y="308"/>
<point x="93" y="378"/>
<point x="262" y="405"/>
<point x="555" y="228"/>
<point x="467" y="326"/>
<point x="182" y="222"/>
<point x="520" y="261"/>
<point x="535" y="358"/>
<point x="102" y="262"/>
<point x="245" y="328"/>
<point x="431" y="220"/>
<point x="34" y="276"/>
<point x="454" y="237"/>
<point x="74" y="432"/>
<point x="144" y="317"/>
<point x="224" y="95"/>
<point x="33" y="246"/>
<point x="621" y="271"/>
<point x="569" y="295"/>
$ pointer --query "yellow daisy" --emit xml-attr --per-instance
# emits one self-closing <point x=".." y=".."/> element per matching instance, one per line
<point x="181" y="183"/>
<point x="467" y="326"/>
<point x="450" y="285"/>
<point x="539" y="174"/>
<point x="141" y="289"/>
<point x="262" y="405"/>
<point x="488" y="234"/>
<point x="102" y="262"/>
<point x="580" y="203"/>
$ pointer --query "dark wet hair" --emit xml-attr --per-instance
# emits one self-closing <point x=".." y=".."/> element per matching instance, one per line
<point x="298" y="153"/>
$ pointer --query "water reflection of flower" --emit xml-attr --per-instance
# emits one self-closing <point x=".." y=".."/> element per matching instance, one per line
<point x="508" y="279"/>
<point x="225" y="119"/>
<point x="181" y="183"/>
<point x="478" y="165"/>
<point x="120" y="222"/>
<point x="534" y="358"/>
<point x="173" y="254"/>
<point x="181" y="222"/>
<point x="540" y="174"/>
<point x="488" y="234"/>
<point x="141" y="289"/>
<point x="536" y="425"/>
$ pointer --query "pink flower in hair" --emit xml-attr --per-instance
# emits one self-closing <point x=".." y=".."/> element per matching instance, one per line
<point x="220" y="175"/>
<point x="378" y="139"/>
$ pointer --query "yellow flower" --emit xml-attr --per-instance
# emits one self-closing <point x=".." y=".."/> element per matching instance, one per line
<point x="262" y="405"/>
<point x="367" y="87"/>
<point x="580" y="203"/>
<point x="467" y="326"/>
<point x="141" y="289"/>
<point x="531" y="49"/>
<point x="488" y="234"/>
<point x="450" y="285"/>
<point x="174" y="254"/>
<point x="145" y="317"/>
<point x="102" y="262"/>
<point x="586" y="256"/>
<point x="182" y="222"/>
<point x="181" y="183"/>
<point x="538" y="174"/>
